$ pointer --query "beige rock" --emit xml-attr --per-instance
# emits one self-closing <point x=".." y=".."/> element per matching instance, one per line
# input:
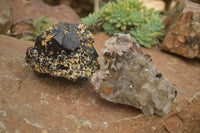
<point x="5" y="16"/>
<point x="182" y="30"/>
<point x="158" y="5"/>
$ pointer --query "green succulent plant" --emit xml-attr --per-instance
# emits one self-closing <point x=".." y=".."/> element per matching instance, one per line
<point x="129" y="16"/>
<point x="39" y="25"/>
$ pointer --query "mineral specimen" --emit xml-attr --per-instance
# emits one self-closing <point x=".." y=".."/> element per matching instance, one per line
<point x="129" y="77"/>
<point x="64" y="50"/>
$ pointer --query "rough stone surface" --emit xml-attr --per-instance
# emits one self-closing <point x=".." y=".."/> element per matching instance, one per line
<point x="183" y="30"/>
<point x="5" y="16"/>
<point x="158" y="5"/>
<point x="37" y="104"/>
<point x="24" y="12"/>
<point x="82" y="7"/>
<point x="129" y="77"/>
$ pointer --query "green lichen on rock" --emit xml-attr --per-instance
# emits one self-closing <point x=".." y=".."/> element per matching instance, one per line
<point x="129" y="16"/>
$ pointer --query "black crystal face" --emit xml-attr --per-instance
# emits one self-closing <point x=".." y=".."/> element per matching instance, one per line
<point x="158" y="75"/>
<point x="175" y="93"/>
<point x="64" y="50"/>
<point x="65" y="36"/>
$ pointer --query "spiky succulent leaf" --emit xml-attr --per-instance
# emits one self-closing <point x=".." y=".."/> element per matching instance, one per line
<point x="129" y="16"/>
<point x="92" y="18"/>
<point x="110" y="30"/>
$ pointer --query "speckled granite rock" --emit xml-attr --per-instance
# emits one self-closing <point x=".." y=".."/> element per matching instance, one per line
<point x="183" y="30"/>
<point x="129" y="77"/>
<point x="64" y="50"/>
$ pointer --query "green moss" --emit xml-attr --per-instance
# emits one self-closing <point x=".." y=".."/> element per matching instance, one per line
<point x="39" y="25"/>
<point x="129" y="16"/>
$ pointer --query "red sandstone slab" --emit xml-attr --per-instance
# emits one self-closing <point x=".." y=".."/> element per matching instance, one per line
<point x="35" y="103"/>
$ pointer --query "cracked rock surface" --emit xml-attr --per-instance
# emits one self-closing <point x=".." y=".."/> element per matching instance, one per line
<point x="33" y="103"/>
<point x="129" y="77"/>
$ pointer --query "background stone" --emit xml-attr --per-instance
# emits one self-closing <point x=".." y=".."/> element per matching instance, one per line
<point x="24" y="12"/>
<point x="82" y="7"/>
<point x="158" y="5"/>
<point x="5" y="16"/>
<point x="182" y="29"/>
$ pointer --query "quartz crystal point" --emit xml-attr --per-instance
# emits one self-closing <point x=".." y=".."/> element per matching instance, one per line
<point x="129" y="77"/>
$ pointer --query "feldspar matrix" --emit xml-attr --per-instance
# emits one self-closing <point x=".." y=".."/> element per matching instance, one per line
<point x="129" y="77"/>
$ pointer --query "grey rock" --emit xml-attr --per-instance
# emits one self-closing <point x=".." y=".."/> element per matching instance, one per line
<point x="5" y="16"/>
<point x="129" y="77"/>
